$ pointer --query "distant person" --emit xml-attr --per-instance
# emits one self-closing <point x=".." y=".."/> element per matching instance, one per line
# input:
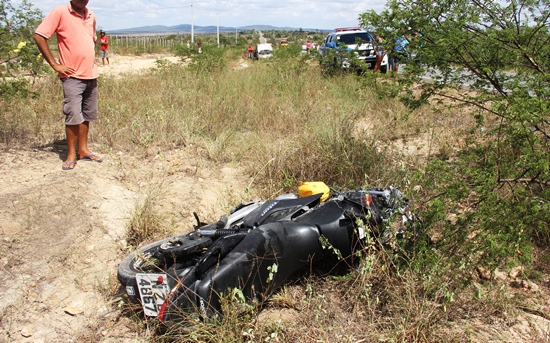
<point x="188" y="44"/>
<point x="379" y="52"/>
<point x="104" y="41"/>
<point x="308" y="46"/>
<point x="250" y="51"/>
<point x="75" y="27"/>
<point x="399" y="52"/>
<point x="199" y="46"/>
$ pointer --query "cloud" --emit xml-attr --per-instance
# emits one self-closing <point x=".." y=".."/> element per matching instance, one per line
<point x="320" y="14"/>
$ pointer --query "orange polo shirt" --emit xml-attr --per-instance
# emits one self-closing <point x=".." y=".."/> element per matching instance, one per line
<point x="76" y="38"/>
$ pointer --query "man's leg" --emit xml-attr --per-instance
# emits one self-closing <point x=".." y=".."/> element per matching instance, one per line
<point x="72" y="137"/>
<point x="83" y="150"/>
<point x="72" y="92"/>
<point x="89" y="114"/>
<point x="83" y="129"/>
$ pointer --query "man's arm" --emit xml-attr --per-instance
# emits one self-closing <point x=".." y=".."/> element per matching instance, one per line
<point x="48" y="56"/>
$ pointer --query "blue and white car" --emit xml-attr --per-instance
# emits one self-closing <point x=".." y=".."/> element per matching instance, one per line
<point x="353" y="39"/>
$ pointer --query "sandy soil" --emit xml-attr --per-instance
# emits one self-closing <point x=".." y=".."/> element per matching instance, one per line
<point x="62" y="234"/>
<point x="131" y="64"/>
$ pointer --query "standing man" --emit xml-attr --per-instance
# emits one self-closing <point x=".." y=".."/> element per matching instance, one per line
<point x="104" y="41"/>
<point x="399" y="52"/>
<point x="75" y="27"/>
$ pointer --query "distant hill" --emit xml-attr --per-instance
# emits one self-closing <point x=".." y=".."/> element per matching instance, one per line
<point x="186" y="28"/>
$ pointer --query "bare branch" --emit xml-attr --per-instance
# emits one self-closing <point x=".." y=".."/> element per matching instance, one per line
<point x="526" y="180"/>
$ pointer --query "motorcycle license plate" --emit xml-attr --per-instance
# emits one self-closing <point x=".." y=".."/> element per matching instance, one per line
<point x="153" y="289"/>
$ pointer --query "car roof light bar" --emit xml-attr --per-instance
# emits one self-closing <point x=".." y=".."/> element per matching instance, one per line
<point x="350" y="28"/>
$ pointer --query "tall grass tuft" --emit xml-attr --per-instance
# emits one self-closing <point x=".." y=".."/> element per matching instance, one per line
<point x="147" y="223"/>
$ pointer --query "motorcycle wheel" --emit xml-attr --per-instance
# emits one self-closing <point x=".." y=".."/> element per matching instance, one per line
<point x="164" y="256"/>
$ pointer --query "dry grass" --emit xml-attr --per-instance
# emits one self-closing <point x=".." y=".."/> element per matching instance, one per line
<point x="264" y="113"/>
<point x="147" y="222"/>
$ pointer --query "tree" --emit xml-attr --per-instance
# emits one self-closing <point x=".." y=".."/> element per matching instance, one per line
<point x="18" y="53"/>
<point x="501" y="50"/>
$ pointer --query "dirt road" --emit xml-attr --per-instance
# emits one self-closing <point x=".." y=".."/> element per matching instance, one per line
<point x="132" y="64"/>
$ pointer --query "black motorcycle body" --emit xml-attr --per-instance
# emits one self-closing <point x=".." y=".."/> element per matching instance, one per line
<point x="254" y="250"/>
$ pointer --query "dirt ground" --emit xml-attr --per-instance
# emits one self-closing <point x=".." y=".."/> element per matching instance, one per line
<point x="62" y="235"/>
<point x="131" y="64"/>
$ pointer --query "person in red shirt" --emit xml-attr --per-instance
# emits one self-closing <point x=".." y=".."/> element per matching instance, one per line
<point x="75" y="27"/>
<point x="250" y="51"/>
<point x="104" y="41"/>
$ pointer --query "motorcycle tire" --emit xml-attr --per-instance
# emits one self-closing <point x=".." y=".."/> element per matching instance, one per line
<point x="164" y="256"/>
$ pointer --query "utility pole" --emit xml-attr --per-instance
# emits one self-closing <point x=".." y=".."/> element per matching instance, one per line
<point x="192" y="25"/>
<point x="218" y="30"/>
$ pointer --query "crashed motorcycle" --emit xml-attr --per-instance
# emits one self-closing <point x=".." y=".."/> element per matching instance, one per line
<point x="254" y="249"/>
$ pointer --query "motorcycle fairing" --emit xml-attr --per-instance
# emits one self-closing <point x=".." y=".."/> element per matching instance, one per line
<point x="287" y="244"/>
<point x="281" y="209"/>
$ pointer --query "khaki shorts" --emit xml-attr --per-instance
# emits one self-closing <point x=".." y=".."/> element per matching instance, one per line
<point x="81" y="100"/>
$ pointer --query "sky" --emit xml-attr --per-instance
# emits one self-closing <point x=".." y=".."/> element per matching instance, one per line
<point x="310" y="14"/>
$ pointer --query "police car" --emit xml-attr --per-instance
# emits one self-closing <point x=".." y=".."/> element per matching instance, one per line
<point x="353" y="39"/>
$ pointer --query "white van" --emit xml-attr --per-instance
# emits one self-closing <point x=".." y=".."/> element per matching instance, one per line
<point x="264" y="50"/>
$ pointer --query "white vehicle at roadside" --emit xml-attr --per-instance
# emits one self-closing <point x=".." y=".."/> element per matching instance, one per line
<point x="263" y="50"/>
<point x="353" y="39"/>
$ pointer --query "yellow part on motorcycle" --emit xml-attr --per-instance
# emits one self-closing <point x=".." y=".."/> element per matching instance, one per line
<point x="314" y="187"/>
